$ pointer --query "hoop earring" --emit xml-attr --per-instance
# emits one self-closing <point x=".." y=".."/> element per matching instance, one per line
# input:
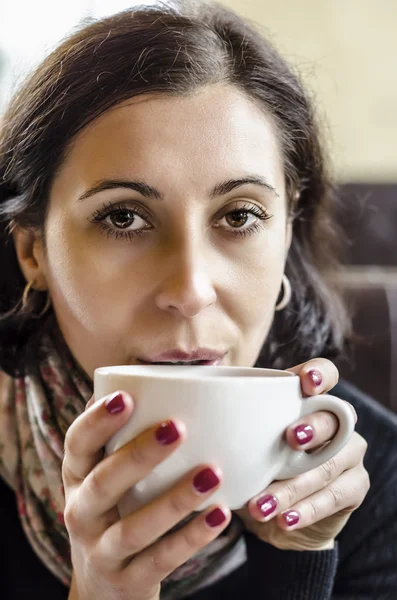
<point x="25" y="299"/>
<point x="287" y="293"/>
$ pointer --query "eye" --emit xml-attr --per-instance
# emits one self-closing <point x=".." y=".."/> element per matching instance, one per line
<point x="126" y="219"/>
<point x="239" y="217"/>
<point x="121" y="221"/>
<point x="244" y="220"/>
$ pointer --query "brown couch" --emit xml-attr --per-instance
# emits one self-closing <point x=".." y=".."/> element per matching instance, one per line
<point x="372" y="364"/>
<point x="368" y="216"/>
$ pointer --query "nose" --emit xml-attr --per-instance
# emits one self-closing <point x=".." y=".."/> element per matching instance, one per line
<point x="187" y="289"/>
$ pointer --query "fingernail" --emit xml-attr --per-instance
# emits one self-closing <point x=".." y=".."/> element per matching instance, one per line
<point x="167" y="433"/>
<point x="267" y="504"/>
<point x="316" y="377"/>
<point x="291" y="517"/>
<point x="215" y="517"/>
<point x="205" y="480"/>
<point x="115" y="403"/>
<point x="304" y="434"/>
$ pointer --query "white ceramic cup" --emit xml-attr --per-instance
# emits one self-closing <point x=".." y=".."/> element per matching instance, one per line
<point x="235" y="417"/>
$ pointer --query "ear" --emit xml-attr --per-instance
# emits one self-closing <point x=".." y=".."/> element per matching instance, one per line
<point x="30" y="252"/>
<point x="288" y="236"/>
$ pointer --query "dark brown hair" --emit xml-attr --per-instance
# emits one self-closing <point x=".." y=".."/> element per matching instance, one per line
<point x="168" y="50"/>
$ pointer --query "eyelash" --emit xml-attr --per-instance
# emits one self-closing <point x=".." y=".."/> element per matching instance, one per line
<point x="110" y="208"/>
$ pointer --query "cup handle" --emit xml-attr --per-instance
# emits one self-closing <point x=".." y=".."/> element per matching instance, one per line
<point x="299" y="462"/>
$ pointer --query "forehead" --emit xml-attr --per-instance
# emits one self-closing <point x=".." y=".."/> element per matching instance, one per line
<point x="207" y="134"/>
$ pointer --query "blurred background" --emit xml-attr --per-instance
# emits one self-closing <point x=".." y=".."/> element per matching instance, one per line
<point x="346" y="54"/>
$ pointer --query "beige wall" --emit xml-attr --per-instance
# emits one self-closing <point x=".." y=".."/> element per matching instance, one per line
<point x="347" y="53"/>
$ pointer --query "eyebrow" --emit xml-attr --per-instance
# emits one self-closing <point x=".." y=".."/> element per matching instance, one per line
<point x="150" y="192"/>
<point x="231" y="184"/>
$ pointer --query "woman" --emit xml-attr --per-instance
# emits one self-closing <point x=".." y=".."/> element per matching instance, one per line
<point x="162" y="181"/>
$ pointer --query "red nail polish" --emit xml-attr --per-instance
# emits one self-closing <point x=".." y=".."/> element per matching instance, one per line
<point x="316" y="377"/>
<point x="267" y="504"/>
<point x="304" y="434"/>
<point x="115" y="404"/>
<point x="291" y="517"/>
<point x="205" y="480"/>
<point x="167" y="433"/>
<point x="215" y="517"/>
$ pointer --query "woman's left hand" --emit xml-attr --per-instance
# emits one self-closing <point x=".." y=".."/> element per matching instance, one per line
<point x="308" y="511"/>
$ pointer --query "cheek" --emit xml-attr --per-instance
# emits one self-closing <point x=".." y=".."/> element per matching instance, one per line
<point x="258" y="292"/>
<point x="254" y="286"/>
<point x="88" y="279"/>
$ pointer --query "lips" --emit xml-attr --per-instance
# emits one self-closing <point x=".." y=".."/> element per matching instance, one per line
<point x="201" y="356"/>
<point x="207" y="363"/>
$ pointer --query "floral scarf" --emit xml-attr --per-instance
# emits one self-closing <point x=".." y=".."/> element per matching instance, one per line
<point x="36" y="410"/>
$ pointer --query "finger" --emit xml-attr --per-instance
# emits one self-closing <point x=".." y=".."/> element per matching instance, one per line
<point x="317" y="376"/>
<point x="89" y="403"/>
<point x="281" y="495"/>
<point x="155" y="563"/>
<point x="137" y="531"/>
<point x="105" y="485"/>
<point x="88" y="434"/>
<point x="346" y="493"/>
<point x="312" y="430"/>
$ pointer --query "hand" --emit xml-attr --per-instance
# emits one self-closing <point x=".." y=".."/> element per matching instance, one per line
<point x="308" y="511"/>
<point x="124" y="558"/>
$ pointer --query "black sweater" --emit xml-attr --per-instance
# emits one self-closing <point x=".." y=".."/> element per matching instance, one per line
<point x="362" y="566"/>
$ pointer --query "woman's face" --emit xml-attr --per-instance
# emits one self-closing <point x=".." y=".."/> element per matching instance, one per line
<point x="154" y="241"/>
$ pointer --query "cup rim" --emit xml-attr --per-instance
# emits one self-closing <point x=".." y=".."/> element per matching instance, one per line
<point x="195" y="372"/>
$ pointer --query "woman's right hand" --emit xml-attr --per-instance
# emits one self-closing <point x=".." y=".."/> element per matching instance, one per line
<point x="124" y="558"/>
